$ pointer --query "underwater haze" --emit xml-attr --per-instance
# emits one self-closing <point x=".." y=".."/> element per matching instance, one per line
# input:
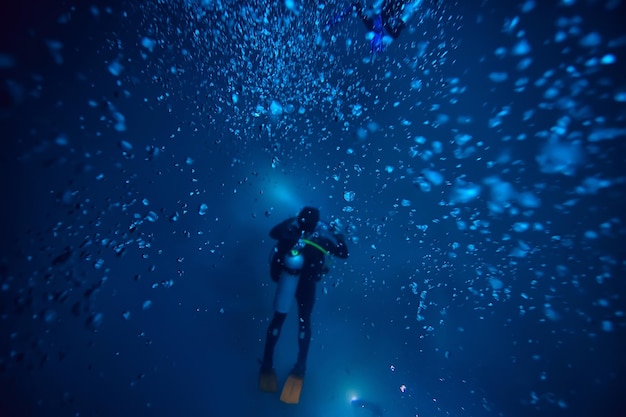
<point x="477" y="167"/>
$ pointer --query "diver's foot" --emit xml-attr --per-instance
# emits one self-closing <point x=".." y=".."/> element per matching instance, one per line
<point x="298" y="370"/>
<point x="266" y="367"/>
<point x="267" y="381"/>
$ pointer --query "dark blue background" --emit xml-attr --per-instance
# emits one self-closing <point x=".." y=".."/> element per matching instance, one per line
<point x="80" y="254"/>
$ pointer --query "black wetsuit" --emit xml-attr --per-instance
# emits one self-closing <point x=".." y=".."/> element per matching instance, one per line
<point x="288" y="233"/>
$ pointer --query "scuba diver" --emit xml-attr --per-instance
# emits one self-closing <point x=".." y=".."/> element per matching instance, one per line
<point x="383" y="26"/>
<point x="298" y="262"/>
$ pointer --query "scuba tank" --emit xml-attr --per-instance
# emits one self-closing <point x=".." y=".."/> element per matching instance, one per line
<point x="293" y="262"/>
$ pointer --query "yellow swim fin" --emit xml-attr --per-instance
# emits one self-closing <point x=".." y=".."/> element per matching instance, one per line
<point x="292" y="389"/>
<point x="267" y="382"/>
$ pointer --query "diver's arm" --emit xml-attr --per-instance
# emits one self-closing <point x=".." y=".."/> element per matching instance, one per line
<point x="395" y="31"/>
<point x="367" y="20"/>
<point x="286" y="230"/>
<point x="339" y="248"/>
<point x="397" y="15"/>
<point x="331" y="239"/>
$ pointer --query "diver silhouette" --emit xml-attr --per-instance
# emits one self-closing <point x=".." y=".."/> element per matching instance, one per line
<point x="383" y="26"/>
<point x="298" y="262"/>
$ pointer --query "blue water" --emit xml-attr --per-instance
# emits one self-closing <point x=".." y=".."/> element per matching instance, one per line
<point x="476" y="165"/>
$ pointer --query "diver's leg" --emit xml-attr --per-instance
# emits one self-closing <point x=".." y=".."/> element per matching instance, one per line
<point x="409" y="10"/>
<point x="365" y="18"/>
<point x="351" y="8"/>
<point x="393" y="17"/>
<point x="273" y="332"/>
<point x="394" y="32"/>
<point x="306" y="299"/>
